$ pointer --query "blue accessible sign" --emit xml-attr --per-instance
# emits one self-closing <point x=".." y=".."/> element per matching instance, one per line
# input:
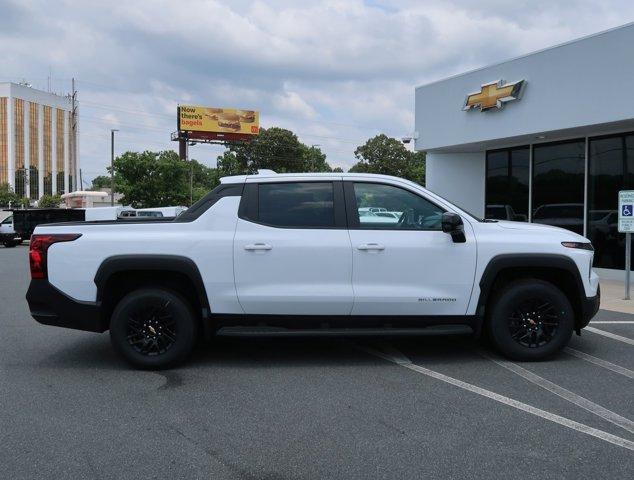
<point x="626" y="211"/>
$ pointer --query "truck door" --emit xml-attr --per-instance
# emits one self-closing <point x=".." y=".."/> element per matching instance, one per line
<point x="403" y="264"/>
<point x="292" y="253"/>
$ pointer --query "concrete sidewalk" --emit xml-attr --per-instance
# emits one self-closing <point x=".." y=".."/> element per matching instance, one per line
<point x="612" y="294"/>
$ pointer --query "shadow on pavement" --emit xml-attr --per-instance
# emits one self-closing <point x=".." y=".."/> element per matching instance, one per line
<point x="95" y="352"/>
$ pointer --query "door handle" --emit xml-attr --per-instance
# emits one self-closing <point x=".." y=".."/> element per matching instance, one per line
<point x="370" y="246"/>
<point x="257" y="246"/>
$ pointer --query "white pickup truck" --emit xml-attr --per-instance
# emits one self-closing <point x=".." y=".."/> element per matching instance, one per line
<point x="292" y="251"/>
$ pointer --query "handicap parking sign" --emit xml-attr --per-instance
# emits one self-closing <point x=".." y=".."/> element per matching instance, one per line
<point x="626" y="211"/>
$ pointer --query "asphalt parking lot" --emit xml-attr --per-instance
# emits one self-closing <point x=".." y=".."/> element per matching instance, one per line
<point x="314" y="408"/>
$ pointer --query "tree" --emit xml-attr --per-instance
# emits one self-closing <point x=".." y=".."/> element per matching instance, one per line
<point x="49" y="201"/>
<point x="388" y="156"/>
<point x="7" y="195"/>
<point x="100" y="182"/>
<point x="158" y="179"/>
<point x="274" y="148"/>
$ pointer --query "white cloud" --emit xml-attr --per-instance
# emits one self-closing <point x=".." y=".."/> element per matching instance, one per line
<point x="335" y="71"/>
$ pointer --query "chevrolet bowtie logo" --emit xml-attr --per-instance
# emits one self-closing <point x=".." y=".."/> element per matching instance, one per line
<point x="494" y="95"/>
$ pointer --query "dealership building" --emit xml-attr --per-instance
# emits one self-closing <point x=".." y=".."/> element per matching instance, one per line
<point x="38" y="147"/>
<point x="547" y="137"/>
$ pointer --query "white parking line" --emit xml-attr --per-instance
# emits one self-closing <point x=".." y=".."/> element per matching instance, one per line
<point x="572" y="397"/>
<point x="613" y="322"/>
<point x="600" y="362"/>
<point x="611" y="335"/>
<point x="398" y="358"/>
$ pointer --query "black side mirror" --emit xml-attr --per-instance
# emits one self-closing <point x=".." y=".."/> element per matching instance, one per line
<point x="452" y="224"/>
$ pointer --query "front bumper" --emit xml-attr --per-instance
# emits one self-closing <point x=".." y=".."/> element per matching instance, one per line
<point x="50" y="306"/>
<point x="589" y="308"/>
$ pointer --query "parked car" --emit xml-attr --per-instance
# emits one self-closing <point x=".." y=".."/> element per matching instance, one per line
<point x="564" y="215"/>
<point x="25" y="220"/>
<point x="504" y="212"/>
<point x="296" y="251"/>
<point x="8" y="237"/>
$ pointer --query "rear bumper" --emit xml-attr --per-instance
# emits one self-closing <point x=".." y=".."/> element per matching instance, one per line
<point x="49" y="306"/>
<point x="589" y="308"/>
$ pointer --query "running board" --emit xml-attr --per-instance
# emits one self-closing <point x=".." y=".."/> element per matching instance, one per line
<point x="262" y="331"/>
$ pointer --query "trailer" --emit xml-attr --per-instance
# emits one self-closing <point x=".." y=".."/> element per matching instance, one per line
<point x="25" y="220"/>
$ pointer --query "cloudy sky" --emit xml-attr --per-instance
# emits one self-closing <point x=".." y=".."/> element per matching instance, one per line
<point x="336" y="72"/>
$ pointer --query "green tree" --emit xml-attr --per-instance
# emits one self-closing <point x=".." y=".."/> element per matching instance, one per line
<point x="151" y="179"/>
<point x="49" y="201"/>
<point x="274" y="148"/>
<point x="158" y="179"/>
<point x="7" y="195"/>
<point x="100" y="182"/>
<point x="388" y="156"/>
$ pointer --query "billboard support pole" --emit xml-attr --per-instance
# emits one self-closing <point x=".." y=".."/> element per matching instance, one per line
<point x="182" y="149"/>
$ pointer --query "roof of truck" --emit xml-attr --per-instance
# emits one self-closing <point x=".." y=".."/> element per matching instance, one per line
<point x="268" y="174"/>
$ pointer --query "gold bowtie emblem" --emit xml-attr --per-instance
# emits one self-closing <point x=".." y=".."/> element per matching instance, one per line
<point x="494" y="95"/>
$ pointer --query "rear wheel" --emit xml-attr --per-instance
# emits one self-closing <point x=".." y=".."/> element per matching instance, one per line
<point x="530" y="320"/>
<point x="153" y="328"/>
<point x="10" y="243"/>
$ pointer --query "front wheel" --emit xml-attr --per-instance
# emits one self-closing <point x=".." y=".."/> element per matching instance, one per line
<point x="153" y="328"/>
<point x="530" y="320"/>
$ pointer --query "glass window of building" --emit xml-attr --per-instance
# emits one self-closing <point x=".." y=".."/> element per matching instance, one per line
<point x="507" y="184"/>
<point x="48" y="151"/>
<point x="34" y="150"/>
<point x="558" y="184"/>
<point x="610" y="169"/>
<point x="4" y="142"/>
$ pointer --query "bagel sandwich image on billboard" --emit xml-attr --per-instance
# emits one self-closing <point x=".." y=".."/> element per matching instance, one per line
<point x="193" y="118"/>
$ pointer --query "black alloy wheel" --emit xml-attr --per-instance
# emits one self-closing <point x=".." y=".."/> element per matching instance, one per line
<point x="534" y="323"/>
<point x="153" y="328"/>
<point x="529" y="319"/>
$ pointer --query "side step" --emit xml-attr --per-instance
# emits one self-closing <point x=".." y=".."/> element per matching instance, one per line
<point x="263" y="331"/>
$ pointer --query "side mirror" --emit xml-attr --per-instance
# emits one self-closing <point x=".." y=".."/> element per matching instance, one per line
<point x="452" y="224"/>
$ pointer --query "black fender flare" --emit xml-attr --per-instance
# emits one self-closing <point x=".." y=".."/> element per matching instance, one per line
<point x="531" y="260"/>
<point x="150" y="262"/>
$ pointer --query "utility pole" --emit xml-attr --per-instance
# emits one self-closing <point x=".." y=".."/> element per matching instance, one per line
<point x="112" y="166"/>
<point x="73" y="150"/>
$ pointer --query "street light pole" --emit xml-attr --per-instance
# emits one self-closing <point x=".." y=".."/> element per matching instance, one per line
<point x="112" y="166"/>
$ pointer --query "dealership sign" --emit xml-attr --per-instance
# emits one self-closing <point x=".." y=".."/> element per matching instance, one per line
<point x="218" y="120"/>
<point x="494" y="95"/>
<point x="626" y="211"/>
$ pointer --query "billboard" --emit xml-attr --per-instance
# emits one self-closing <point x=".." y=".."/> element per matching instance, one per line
<point x="218" y="120"/>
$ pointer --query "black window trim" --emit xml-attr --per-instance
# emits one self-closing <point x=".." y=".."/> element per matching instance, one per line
<point x="351" y="207"/>
<point x="249" y="205"/>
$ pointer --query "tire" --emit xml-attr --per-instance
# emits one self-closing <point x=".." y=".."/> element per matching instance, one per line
<point x="530" y="320"/>
<point x="153" y="328"/>
<point x="10" y="244"/>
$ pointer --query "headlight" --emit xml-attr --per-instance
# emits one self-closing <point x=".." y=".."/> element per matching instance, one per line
<point x="581" y="245"/>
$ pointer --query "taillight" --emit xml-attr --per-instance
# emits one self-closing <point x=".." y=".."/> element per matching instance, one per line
<point x="38" y="248"/>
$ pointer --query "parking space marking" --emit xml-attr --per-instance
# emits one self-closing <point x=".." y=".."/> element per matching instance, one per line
<point x="398" y="358"/>
<point x="613" y="322"/>
<point x="611" y="335"/>
<point x="572" y="397"/>
<point x="600" y="362"/>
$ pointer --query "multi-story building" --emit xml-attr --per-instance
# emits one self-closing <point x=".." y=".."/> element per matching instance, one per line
<point x="38" y="141"/>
